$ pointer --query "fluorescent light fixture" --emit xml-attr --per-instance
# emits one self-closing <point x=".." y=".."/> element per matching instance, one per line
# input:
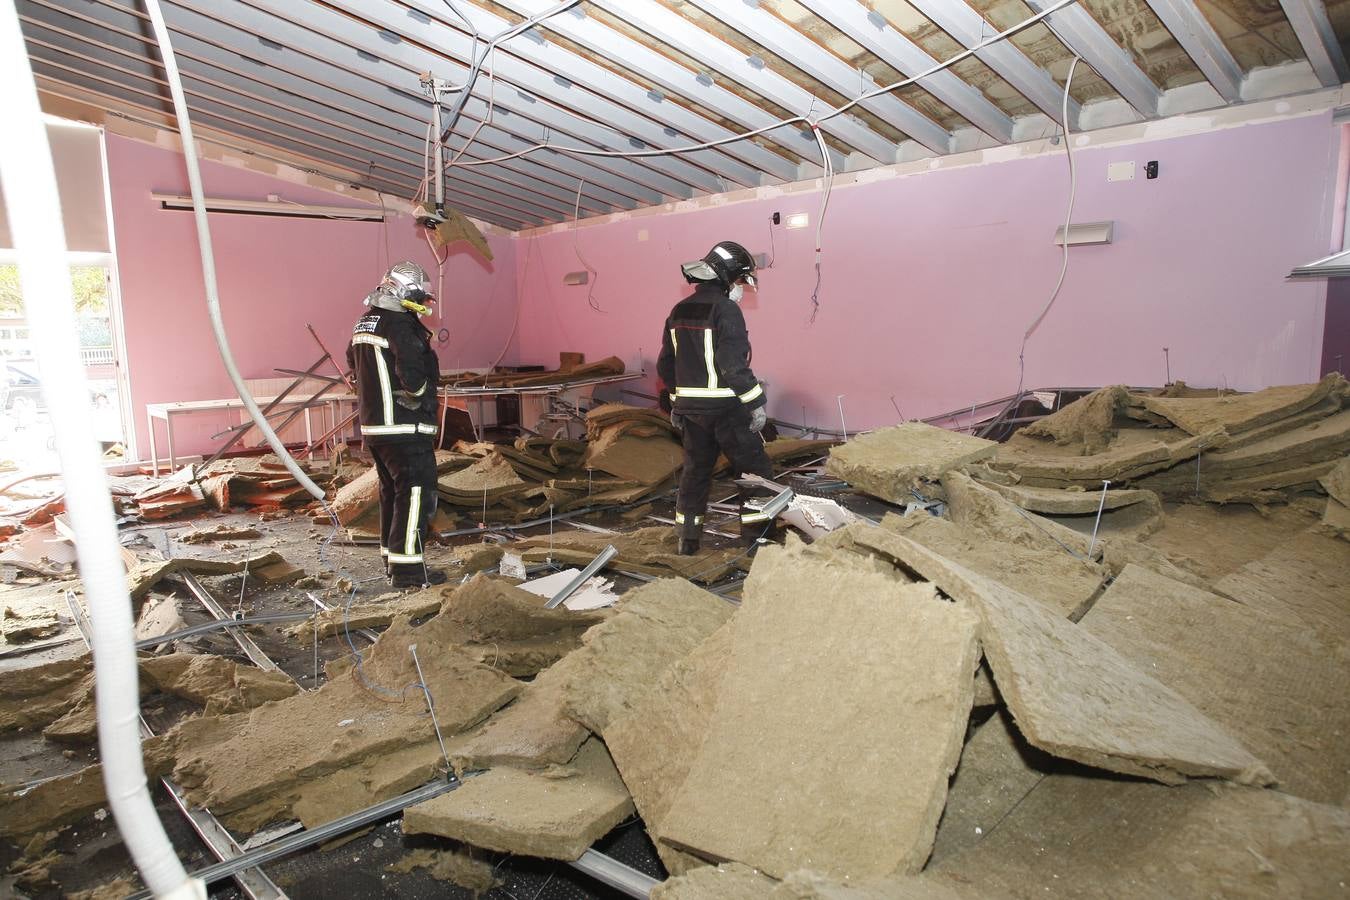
<point x="272" y="208"/>
<point x="798" y="220"/>
<point x="1086" y="233"/>
<point x="1337" y="265"/>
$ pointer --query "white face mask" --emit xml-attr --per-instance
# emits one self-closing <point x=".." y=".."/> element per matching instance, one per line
<point x="737" y="290"/>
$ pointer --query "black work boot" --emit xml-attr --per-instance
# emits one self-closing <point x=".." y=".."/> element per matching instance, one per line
<point x="691" y="536"/>
<point x="416" y="577"/>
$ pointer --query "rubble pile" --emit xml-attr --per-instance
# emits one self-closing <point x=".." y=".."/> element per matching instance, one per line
<point x="1018" y="682"/>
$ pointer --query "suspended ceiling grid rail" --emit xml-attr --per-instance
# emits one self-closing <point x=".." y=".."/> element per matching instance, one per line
<point x="336" y="82"/>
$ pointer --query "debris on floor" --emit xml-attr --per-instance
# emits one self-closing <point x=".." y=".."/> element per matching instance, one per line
<point x="987" y="674"/>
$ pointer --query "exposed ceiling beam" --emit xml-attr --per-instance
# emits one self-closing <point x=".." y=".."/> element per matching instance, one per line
<point x="395" y="64"/>
<point x="261" y="126"/>
<point x="533" y="47"/>
<point x="667" y="74"/>
<point x="705" y="170"/>
<point x="874" y="33"/>
<point x="1314" y="31"/>
<point x="317" y="101"/>
<point x="723" y="59"/>
<point x="782" y="39"/>
<point x="1199" y="39"/>
<point x="1082" y="34"/>
<point x="142" y="106"/>
<point x="969" y="29"/>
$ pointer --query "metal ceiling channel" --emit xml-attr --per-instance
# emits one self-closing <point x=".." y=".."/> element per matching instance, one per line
<point x="280" y="127"/>
<point x="1206" y="49"/>
<point x="1085" y="36"/>
<point x="629" y="130"/>
<point x="312" y="58"/>
<point x="724" y="59"/>
<point x="205" y="38"/>
<point x="1315" y="34"/>
<point x="781" y="38"/>
<point x="304" y="100"/>
<point x="363" y="48"/>
<point x="400" y="85"/>
<point x="393" y="184"/>
<point x="532" y="47"/>
<point x="875" y="34"/>
<point x="670" y="76"/>
<point x="968" y="28"/>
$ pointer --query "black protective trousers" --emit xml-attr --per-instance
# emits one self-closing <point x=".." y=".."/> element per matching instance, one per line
<point x="705" y="438"/>
<point x="407" y="471"/>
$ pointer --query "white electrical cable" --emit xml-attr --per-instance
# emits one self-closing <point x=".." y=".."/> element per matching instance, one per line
<point x="35" y="218"/>
<point x="805" y="119"/>
<point x="1068" y="219"/>
<point x="208" y="257"/>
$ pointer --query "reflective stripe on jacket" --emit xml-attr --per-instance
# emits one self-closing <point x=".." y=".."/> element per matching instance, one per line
<point x="391" y="358"/>
<point x="705" y="355"/>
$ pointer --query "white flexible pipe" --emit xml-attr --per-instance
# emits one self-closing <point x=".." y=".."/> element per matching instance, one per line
<point x="35" y="218"/>
<point x="208" y="257"/>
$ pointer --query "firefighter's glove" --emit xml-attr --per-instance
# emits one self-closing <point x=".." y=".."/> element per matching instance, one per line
<point x="408" y="401"/>
<point x="758" y="419"/>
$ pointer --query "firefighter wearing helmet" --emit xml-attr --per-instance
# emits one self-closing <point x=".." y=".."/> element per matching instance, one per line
<point x="715" y="399"/>
<point x="396" y="374"/>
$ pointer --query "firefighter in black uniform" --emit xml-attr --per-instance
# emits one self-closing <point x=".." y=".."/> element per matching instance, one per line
<point x="715" y="399"/>
<point x="396" y="375"/>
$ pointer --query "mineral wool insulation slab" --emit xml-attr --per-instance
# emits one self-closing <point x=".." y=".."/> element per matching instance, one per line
<point x="886" y="463"/>
<point x="1081" y="837"/>
<point x="1265" y="678"/>
<point x="621" y="659"/>
<point x="555" y="813"/>
<point x="840" y="719"/>
<point x="1242" y="412"/>
<point x="1305" y="577"/>
<point x="1071" y="693"/>
<point x="655" y="744"/>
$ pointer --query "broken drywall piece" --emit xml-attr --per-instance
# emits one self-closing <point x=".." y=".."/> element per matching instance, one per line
<point x="1063" y="583"/>
<point x="1267" y="679"/>
<point x="819" y="641"/>
<point x="655" y="744"/>
<point x="621" y="659"/>
<point x="556" y="814"/>
<point x="146" y="575"/>
<point x="223" y="532"/>
<point x="1080" y="836"/>
<point x="817" y="516"/>
<point x="1234" y="413"/>
<point x="594" y="593"/>
<point x="1071" y="693"/>
<point x="160" y="616"/>
<point x="888" y="463"/>
<point x="998" y="768"/>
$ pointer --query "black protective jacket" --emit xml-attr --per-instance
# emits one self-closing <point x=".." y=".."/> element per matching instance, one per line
<point x="705" y="355"/>
<point x="396" y="377"/>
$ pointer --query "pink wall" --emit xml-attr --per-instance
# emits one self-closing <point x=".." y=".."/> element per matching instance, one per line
<point x="929" y="281"/>
<point x="275" y="276"/>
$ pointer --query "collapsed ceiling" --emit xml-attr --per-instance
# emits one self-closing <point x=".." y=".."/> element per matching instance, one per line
<point x="336" y="83"/>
